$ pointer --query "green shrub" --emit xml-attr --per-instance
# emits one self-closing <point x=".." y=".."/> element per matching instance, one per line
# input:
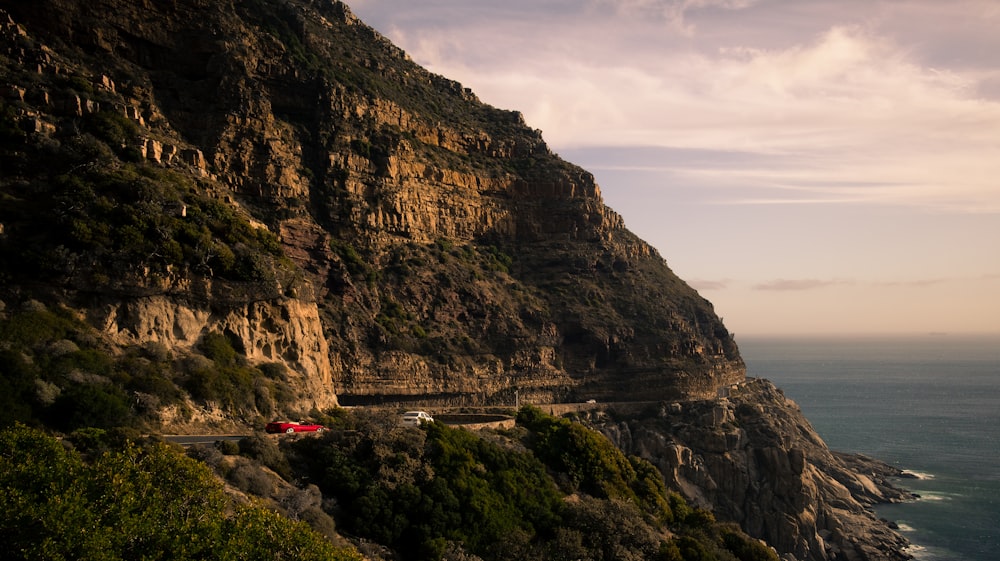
<point x="90" y="405"/>
<point x="112" y="127"/>
<point x="265" y="450"/>
<point x="33" y="327"/>
<point x="349" y="255"/>
<point x="746" y="548"/>
<point x="133" y="502"/>
<point x="590" y="461"/>
<point x="10" y="131"/>
<point x="219" y="348"/>
<point x="18" y="377"/>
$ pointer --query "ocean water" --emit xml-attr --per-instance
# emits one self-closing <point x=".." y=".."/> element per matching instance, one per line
<point x="927" y="404"/>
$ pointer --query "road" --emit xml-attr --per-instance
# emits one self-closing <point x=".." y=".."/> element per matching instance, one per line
<point x="192" y="439"/>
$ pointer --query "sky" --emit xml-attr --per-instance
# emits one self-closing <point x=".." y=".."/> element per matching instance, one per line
<point x="811" y="167"/>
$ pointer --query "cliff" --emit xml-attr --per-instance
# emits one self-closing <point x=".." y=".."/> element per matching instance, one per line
<point x="336" y="208"/>
<point x="216" y="213"/>
<point x="754" y="459"/>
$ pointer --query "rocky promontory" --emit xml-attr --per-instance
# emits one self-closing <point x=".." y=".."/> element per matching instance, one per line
<point x="754" y="459"/>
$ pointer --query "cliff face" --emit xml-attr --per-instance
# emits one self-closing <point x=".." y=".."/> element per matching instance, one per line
<point x="396" y="238"/>
<point x="755" y="460"/>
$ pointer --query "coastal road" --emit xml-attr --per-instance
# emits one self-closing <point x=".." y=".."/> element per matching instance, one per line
<point x="192" y="439"/>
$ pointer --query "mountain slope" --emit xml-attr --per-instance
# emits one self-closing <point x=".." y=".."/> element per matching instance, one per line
<point x="279" y="173"/>
<point x="216" y="213"/>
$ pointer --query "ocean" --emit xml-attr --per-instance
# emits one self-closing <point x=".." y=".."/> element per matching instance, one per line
<point x="927" y="404"/>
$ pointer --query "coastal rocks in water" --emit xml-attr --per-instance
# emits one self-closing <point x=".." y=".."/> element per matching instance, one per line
<point x="754" y="459"/>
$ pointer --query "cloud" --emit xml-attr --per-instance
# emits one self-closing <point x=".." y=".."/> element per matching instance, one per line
<point x="701" y="284"/>
<point x="812" y="284"/>
<point x="673" y="13"/>
<point x="797" y="284"/>
<point x="918" y="283"/>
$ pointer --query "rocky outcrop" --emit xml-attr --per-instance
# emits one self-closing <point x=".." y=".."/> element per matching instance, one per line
<point x="752" y="458"/>
<point x="286" y="331"/>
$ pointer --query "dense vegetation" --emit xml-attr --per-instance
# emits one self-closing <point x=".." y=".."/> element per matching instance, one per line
<point x="110" y="218"/>
<point x="550" y="489"/>
<point x="134" y="502"/>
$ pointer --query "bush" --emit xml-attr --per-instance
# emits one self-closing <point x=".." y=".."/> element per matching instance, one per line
<point x="746" y="548"/>
<point x="592" y="463"/>
<point x="265" y="450"/>
<point x="90" y="405"/>
<point x="134" y="502"/>
<point x="112" y="127"/>
<point x="223" y="376"/>
<point x="612" y="530"/>
<point x="19" y="377"/>
<point x="349" y="255"/>
<point x="219" y="348"/>
<point x="252" y="479"/>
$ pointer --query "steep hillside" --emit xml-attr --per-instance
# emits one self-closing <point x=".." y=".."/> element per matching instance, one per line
<point x="353" y="227"/>
<point x="755" y="459"/>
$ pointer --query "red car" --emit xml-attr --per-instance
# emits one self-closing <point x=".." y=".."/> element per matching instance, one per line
<point x="289" y="427"/>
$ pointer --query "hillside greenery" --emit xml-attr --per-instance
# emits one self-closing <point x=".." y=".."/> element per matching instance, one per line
<point x="110" y="217"/>
<point x="550" y="489"/>
<point x="134" y="502"/>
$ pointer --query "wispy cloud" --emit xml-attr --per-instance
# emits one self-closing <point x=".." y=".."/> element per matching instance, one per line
<point x="812" y="284"/>
<point x="797" y="284"/>
<point x="673" y="13"/>
<point x="916" y="283"/>
<point x="707" y="285"/>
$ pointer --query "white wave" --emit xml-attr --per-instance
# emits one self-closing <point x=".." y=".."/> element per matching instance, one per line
<point x="918" y="474"/>
<point x="922" y="553"/>
<point x="935" y="497"/>
<point x="906" y="528"/>
<point x="919" y="553"/>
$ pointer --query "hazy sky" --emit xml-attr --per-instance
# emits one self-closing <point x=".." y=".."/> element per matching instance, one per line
<point x="810" y="166"/>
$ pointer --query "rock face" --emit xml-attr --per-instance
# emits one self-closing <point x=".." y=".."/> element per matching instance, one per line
<point x="287" y="331"/>
<point x="754" y="459"/>
<point x="432" y="248"/>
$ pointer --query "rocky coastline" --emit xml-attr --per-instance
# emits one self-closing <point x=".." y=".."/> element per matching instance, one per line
<point x="754" y="459"/>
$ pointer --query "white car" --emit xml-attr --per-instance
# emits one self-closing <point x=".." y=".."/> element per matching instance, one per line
<point x="416" y="418"/>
